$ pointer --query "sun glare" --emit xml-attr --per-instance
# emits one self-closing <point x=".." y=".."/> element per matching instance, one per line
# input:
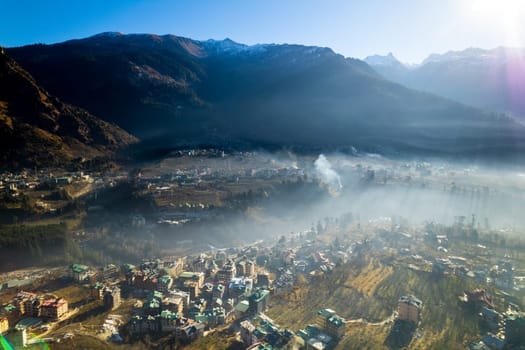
<point x="505" y="16"/>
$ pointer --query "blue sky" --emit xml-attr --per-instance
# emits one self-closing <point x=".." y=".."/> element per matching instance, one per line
<point x="411" y="29"/>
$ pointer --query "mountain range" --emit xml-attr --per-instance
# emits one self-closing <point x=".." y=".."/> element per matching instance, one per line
<point x="170" y="91"/>
<point x="489" y="79"/>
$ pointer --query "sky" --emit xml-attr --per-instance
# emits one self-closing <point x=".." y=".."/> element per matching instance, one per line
<point x="410" y="29"/>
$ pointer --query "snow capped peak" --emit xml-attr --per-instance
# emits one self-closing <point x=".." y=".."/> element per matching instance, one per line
<point x="473" y="54"/>
<point x="229" y="46"/>
<point x="379" y="60"/>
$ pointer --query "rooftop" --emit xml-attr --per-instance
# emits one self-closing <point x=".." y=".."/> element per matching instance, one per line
<point x="79" y="268"/>
<point x="410" y="299"/>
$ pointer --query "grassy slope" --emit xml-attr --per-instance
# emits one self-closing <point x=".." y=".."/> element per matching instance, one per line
<point x="371" y="291"/>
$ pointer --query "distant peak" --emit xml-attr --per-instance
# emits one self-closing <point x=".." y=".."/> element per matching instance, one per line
<point x="380" y="60"/>
<point x="227" y="45"/>
<point x="107" y="35"/>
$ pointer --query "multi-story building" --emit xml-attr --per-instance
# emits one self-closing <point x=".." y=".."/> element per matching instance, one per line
<point x="192" y="276"/>
<point x="79" y="272"/>
<point x="169" y="321"/>
<point x="226" y="273"/>
<point x="330" y="323"/>
<point x="97" y="291"/>
<point x="111" y="297"/>
<point x="259" y="301"/>
<point x="54" y="308"/>
<point x="263" y="280"/>
<point x="164" y="283"/>
<point x="409" y="309"/>
<point x="247" y="330"/>
<point x="515" y="329"/>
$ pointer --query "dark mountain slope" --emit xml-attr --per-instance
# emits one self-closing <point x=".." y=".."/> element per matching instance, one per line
<point x="38" y="129"/>
<point x="175" y="92"/>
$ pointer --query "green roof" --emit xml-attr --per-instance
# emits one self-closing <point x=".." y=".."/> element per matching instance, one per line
<point x="336" y="321"/>
<point x="259" y="295"/>
<point x="169" y="315"/>
<point x="243" y="306"/>
<point x="188" y="274"/>
<point x="326" y="313"/>
<point x="79" y="268"/>
<point x="165" y="279"/>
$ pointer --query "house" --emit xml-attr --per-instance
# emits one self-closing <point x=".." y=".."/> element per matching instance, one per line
<point x="226" y="273"/>
<point x="330" y="323"/>
<point x="493" y="342"/>
<point x="169" y="321"/>
<point x="189" y="333"/>
<point x="314" y="338"/>
<point x="515" y="328"/>
<point x="239" y="287"/>
<point x="79" y="272"/>
<point x="247" y="336"/>
<point x="97" y="291"/>
<point x="54" y="308"/>
<point x="111" y="297"/>
<point x="192" y="276"/>
<point x="259" y="300"/>
<point x="144" y="324"/>
<point x="164" y="283"/>
<point x="409" y="309"/>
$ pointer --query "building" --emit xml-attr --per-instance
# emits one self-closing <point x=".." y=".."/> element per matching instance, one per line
<point x="144" y="324"/>
<point x="226" y="273"/>
<point x="200" y="264"/>
<point x="330" y="323"/>
<point x="169" y="321"/>
<point x="97" y="291"/>
<point x="245" y="268"/>
<point x="247" y="330"/>
<point x="409" y="309"/>
<point x="54" y="308"/>
<point x="4" y="325"/>
<point x="315" y="339"/>
<point x="111" y="298"/>
<point x="258" y="301"/>
<point x="174" y="304"/>
<point x="240" y="286"/>
<point x="79" y="272"/>
<point x="263" y="280"/>
<point x="164" y="283"/>
<point x="515" y="329"/>
<point x="190" y="332"/>
<point x="31" y="306"/>
<point x="192" y="276"/>
<point x="110" y="271"/>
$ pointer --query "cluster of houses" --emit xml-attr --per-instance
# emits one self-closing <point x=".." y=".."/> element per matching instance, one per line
<point x="187" y="296"/>
<point x="28" y="311"/>
<point x="34" y="305"/>
<point x="263" y="334"/>
<point x="505" y="330"/>
<point x="325" y="333"/>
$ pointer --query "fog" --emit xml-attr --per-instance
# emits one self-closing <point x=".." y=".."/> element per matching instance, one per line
<point x="372" y="187"/>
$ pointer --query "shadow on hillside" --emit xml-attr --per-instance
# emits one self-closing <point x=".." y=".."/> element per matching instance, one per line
<point x="400" y="335"/>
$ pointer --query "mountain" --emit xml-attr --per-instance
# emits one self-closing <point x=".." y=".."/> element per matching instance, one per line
<point x="489" y="79"/>
<point x="388" y="66"/>
<point x="173" y="92"/>
<point x="37" y="129"/>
